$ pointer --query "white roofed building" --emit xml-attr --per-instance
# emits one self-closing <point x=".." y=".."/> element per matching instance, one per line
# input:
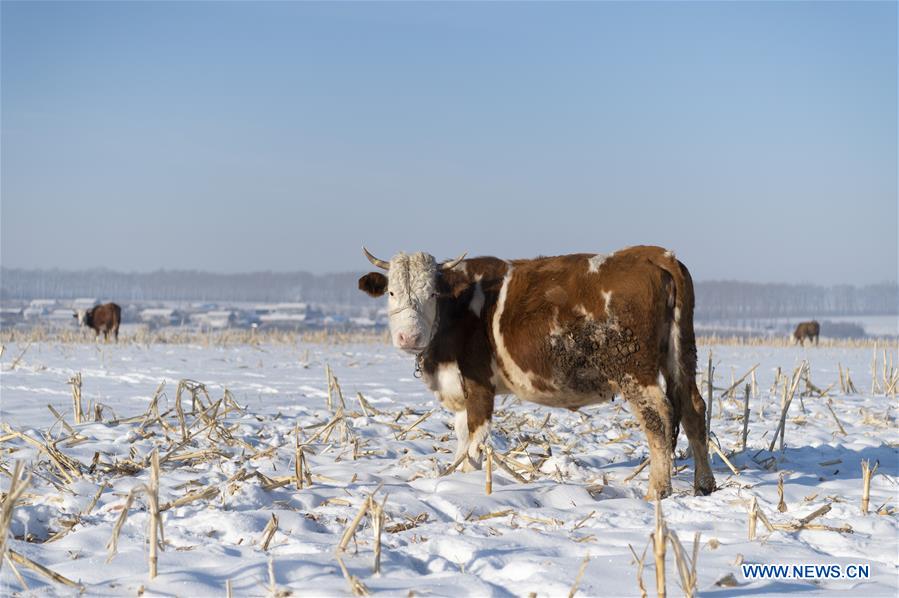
<point x="220" y="318"/>
<point x="160" y="316"/>
<point x="84" y="303"/>
<point x="38" y="308"/>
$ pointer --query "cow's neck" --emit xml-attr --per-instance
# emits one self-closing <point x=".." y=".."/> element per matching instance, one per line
<point x="457" y="324"/>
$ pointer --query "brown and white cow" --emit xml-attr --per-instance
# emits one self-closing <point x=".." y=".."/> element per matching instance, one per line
<point x="102" y="318"/>
<point x="807" y="330"/>
<point x="566" y="331"/>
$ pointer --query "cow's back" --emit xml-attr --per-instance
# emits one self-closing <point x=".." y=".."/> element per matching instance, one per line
<point x="567" y="326"/>
<point x="806" y="330"/>
<point x="107" y="317"/>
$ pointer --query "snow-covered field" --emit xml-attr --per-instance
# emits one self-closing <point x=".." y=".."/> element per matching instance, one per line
<point x="442" y="534"/>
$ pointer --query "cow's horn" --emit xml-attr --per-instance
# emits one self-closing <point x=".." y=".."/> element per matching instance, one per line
<point x="453" y="263"/>
<point x="379" y="263"/>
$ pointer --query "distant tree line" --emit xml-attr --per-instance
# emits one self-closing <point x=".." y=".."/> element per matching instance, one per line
<point x="715" y="300"/>
<point x="178" y="285"/>
<point x="730" y="300"/>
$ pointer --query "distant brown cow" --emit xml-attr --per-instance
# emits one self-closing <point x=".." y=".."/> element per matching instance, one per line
<point x="807" y="330"/>
<point x="102" y="318"/>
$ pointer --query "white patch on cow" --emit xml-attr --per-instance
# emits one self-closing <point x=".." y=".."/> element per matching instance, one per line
<point x="596" y="261"/>
<point x="477" y="300"/>
<point x="461" y="426"/>
<point x="580" y="310"/>
<point x="496" y="379"/>
<point x="518" y="380"/>
<point x="449" y="379"/>
<point x="669" y="254"/>
<point x="477" y="438"/>
<point x="607" y="295"/>
<point x="82" y="315"/>
<point x="469" y="444"/>
<point x="448" y="386"/>
<point x="514" y="379"/>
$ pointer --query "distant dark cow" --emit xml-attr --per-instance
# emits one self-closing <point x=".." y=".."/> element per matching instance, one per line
<point x="102" y="318"/>
<point x="566" y="331"/>
<point x="807" y="330"/>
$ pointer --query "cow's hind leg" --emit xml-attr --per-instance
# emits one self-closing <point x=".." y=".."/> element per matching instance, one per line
<point x="692" y="409"/>
<point x="651" y="408"/>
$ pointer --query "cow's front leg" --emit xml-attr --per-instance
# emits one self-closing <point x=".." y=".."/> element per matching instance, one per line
<point x="473" y="424"/>
<point x="461" y="427"/>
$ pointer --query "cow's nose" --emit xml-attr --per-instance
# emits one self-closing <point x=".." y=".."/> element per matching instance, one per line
<point x="407" y="341"/>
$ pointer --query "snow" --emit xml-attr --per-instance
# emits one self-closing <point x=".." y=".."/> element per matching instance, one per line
<point x="443" y="535"/>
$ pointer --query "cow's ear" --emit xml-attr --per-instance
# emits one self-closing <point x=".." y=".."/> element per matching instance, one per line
<point x="373" y="283"/>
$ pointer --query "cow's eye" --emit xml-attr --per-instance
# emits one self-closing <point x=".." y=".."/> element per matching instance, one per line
<point x="433" y="295"/>
<point x="391" y="293"/>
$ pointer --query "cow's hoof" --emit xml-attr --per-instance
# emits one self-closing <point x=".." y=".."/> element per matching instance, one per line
<point x="704" y="487"/>
<point x="658" y="493"/>
<point x="471" y="464"/>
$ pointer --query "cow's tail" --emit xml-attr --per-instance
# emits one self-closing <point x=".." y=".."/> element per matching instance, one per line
<point x="680" y="367"/>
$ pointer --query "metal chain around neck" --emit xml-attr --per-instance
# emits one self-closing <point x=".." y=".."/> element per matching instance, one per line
<point x="420" y="357"/>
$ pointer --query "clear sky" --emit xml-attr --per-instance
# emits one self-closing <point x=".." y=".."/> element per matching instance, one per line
<point x="757" y="140"/>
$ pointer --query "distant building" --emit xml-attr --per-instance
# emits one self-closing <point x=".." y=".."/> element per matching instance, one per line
<point x="291" y="307"/>
<point x="363" y="322"/>
<point x="202" y="306"/>
<point x="283" y="315"/>
<point x="84" y="303"/>
<point x="61" y="316"/>
<point x="221" y="318"/>
<point x="42" y="303"/>
<point x="38" y="308"/>
<point x="280" y="319"/>
<point x="160" y="316"/>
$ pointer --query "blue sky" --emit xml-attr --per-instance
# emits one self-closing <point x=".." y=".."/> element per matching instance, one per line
<point x="758" y="140"/>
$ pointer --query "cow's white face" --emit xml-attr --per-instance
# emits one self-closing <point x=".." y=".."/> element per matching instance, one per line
<point x="81" y="314"/>
<point x="411" y="287"/>
<point x="412" y="300"/>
